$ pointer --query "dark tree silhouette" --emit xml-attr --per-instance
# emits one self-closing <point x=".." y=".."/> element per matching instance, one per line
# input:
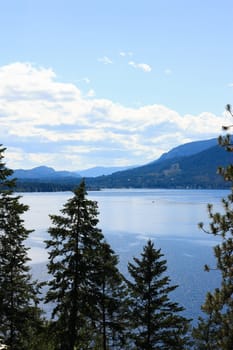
<point x="155" y="322"/>
<point x="215" y="330"/>
<point x="19" y="314"/>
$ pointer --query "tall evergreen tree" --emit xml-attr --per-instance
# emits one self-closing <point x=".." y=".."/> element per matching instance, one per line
<point x="19" y="314"/>
<point x="110" y="291"/>
<point x="155" y="319"/>
<point x="77" y="267"/>
<point x="215" y="330"/>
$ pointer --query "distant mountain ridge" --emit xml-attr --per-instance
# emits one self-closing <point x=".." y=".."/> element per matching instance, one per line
<point x="101" y="170"/>
<point x="196" y="171"/>
<point x="188" y="149"/>
<point x="43" y="172"/>
<point x="192" y="165"/>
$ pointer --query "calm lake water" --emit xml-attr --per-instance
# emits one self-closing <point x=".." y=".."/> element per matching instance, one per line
<point x="128" y="218"/>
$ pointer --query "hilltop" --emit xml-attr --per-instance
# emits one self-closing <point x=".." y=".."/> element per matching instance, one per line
<point x="191" y="165"/>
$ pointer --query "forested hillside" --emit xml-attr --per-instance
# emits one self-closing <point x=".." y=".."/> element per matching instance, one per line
<point x="198" y="170"/>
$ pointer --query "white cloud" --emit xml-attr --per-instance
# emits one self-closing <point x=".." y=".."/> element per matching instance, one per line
<point x="91" y="93"/>
<point x="16" y="158"/>
<point x="40" y="158"/>
<point x="143" y="66"/>
<point x="44" y="121"/>
<point x="105" y="60"/>
<point x="125" y="54"/>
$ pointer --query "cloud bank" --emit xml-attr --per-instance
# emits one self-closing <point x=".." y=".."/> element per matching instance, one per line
<point x="44" y="121"/>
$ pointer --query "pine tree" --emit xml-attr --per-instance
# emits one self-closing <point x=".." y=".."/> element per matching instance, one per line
<point x="19" y="314"/>
<point x="74" y="263"/>
<point x="215" y="330"/>
<point x="110" y="290"/>
<point x="155" y="319"/>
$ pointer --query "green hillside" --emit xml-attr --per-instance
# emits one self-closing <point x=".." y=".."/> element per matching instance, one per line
<point x="196" y="171"/>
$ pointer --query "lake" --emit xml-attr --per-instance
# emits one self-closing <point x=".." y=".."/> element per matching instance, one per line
<point x="128" y="218"/>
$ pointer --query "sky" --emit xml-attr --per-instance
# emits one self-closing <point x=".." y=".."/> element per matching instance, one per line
<point x="111" y="83"/>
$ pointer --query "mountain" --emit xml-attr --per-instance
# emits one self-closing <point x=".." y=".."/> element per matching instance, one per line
<point x="196" y="171"/>
<point x="43" y="172"/>
<point x="189" y="149"/>
<point x="99" y="171"/>
<point x="193" y="165"/>
<point x="45" y="179"/>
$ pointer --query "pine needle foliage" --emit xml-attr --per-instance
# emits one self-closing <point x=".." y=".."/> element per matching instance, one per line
<point x="85" y="285"/>
<point x="110" y="310"/>
<point x="155" y="320"/>
<point x="215" y="330"/>
<point x="19" y="314"/>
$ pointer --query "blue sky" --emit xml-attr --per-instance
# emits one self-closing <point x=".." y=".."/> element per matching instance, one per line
<point x="111" y="83"/>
